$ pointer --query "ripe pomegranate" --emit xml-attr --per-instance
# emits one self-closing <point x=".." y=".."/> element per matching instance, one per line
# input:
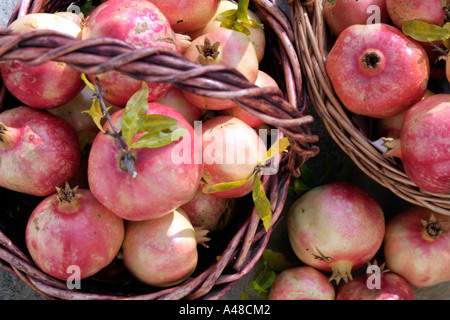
<point x="227" y="47"/>
<point x="71" y="228"/>
<point x="301" y="283"/>
<point x="51" y="84"/>
<point x="257" y="36"/>
<point x="430" y="11"/>
<point x="423" y="146"/>
<point x="185" y="16"/>
<point x="139" y="23"/>
<point x="389" y="286"/>
<point x="336" y="227"/>
<point x="38" y="151"/>
<point x="162" y="184"/>
<point x="339" y="14"/>
<point x="210" y="212"/>
<point x="369" y="77"/>
<point x="175" y="98"/>
<point x="417" y="246"/>
<point x="161" y="252"/>
<point x="231" y="152"/>
<point x="263" y="80"/>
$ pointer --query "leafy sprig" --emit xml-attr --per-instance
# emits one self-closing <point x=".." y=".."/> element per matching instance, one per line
<point x="237" y="19"/>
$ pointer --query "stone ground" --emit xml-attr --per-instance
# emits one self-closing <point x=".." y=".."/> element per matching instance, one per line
<point x="12" y="288"/>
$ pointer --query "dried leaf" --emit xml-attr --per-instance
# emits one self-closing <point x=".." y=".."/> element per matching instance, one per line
<point x="262" y="203"/>
<point x="423" y="31"/>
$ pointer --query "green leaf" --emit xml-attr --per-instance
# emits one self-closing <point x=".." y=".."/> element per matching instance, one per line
<point x="307" y="176"/>
<point x="230" y="14"/>
<point x="134" y="113"/>
<point x="224" y="186"/>
<point x="423" y="31"/>
<point x="262" y="285"/>
<point x="159" y="139"/>
<point x="156" y="122"/>
<point x="262" y="203"/>
<point x="277" y="261"/>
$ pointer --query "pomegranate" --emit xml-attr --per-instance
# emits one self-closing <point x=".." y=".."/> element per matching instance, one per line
<point x="162" y="183"/>
<point x="231" y="152"/>
<point x="301" y="283"/>
<point x="139" y="23"/>
<point x="227" y="47"/>
<point x="389" y="286"/>
<point x="161" y="252"/>
<point x="263" y="80"/>
<point x="256" y="36"/>
<point x="51" y="84"/>
<point x="339" y="14"/>
<point x="175" y="98"/>
<point x="417" y="246"/>
<point x="38" y="151"/>
<point x="425" y="124"/>
<point x="71" y="228"/>
<point x="210" y="212"/>
<point x="185" y="16"/>
<point x="336" y="227"/>
<point x="430" y="11"/>
<point x="369" y="77"/>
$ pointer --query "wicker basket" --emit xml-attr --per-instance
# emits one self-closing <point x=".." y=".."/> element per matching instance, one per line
<point x="239" y="248"/>
<point x="313" y="41"/>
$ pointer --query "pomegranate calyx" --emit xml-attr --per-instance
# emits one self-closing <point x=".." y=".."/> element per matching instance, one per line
<point x="8" y="136"/>
<point x="394" y="148"/>
<point x="68" y="198"/>
<point x="432" y="228"/>
<point x="200" y="236"/>
<point x="341" y="270"/>
<point x="208" y="52"/>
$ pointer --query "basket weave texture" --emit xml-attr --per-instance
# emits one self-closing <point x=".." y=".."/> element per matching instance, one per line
<point x="313" y="41"/>
<point x="283" y="109"/>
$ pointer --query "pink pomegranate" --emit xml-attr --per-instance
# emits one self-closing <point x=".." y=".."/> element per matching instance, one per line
<point x="369" y="77"/>
<point x="263" y="80"/>
<point x="227" y="47"/>
<point x="257" y="35"/>
<point x="417" y="246"/>
<point x="72" y="229"/>
<point x="38" y="151"/>
<point x="51" y="84"/>
<point x="175" y="98"/>
<point x="185" y="16"/>
<point x="336" y="227"/>
<point x="389" y="286"/>
<point x="210" y="212"/>
<point x="231" y="152"/>
<point x="161" y="252"/>
<point x="301" y="283"/>
<point x="340" y="14"/>
<point x="423" y="146"/>
<point x="163" y="183"/>
<point x="139" y="23"/>
<point x="430" y="11"/>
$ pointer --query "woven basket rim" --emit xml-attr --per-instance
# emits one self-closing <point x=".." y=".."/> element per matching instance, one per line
<point x="312" y="41"/>
<point x="285" y="112"/>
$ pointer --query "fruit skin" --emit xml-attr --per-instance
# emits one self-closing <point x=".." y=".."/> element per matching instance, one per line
<point x="392" y="287"/>
<point x="161" y="185"/>
<point x="368" y="65"/>
<point x="51" y="84"/>
<point x="423" y="146"/>
<point x="161" y="252"/>
<point x="187" y="15"/>
<point x="430" y="11"/>
<point x="336" y="227"/>
<point x="235" y="51"/>
<point x="39" y="151"/>
<point x="301" y="283"/>
<point x="82" y="233"/>
<point x="339" y="14"/>
<point x="412" y="253"/>
<point x="139" y="23"/>
<point x="257" y="36"/>
<point x="231" y="152"/>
